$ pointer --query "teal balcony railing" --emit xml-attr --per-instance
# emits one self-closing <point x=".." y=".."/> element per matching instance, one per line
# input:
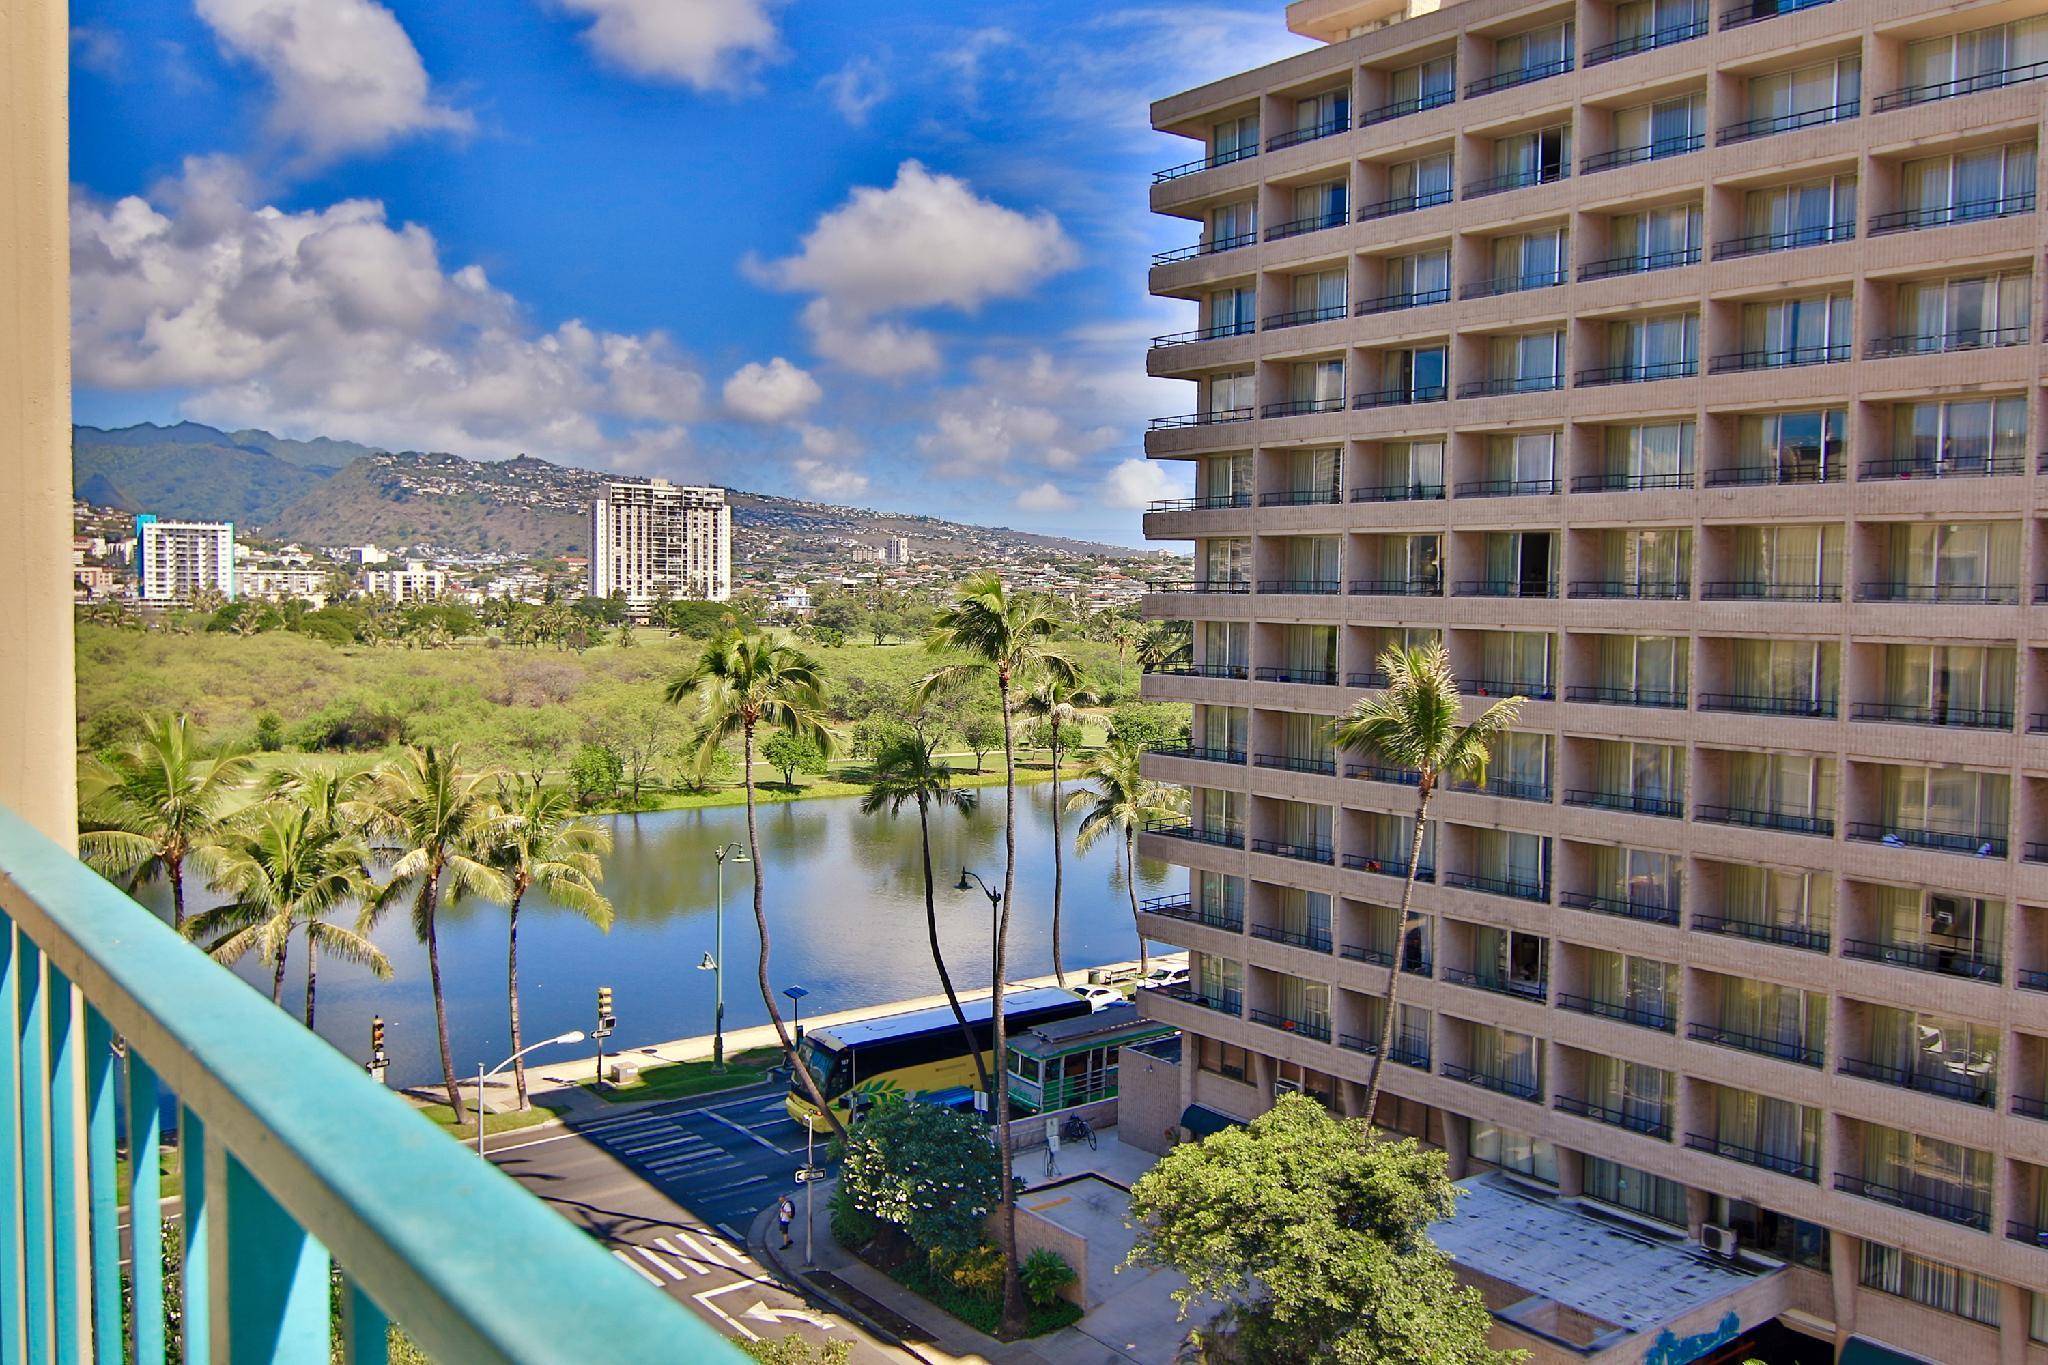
<point x="294" y="1163"/>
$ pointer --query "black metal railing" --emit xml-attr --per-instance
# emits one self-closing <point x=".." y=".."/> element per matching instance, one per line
<point x="1303" y="317"/>
<point x="1911" y="468"/>
<point x="1791" y="239"/>
<point x="1620" y="906"/>
<point x="1640" y="590"/>
<point x="1183" y="908"/>
<point x="1659" y="698"/>
<point x="1781" y="1048"/>
<point x="1399" y="492"/>
<point x="1404" y="203"/>
<point x="1517" y="283"/>
<point x="1229" y="1002"/>
<point x="1516" y="180"/>
<point x="1507" y="488"/>
<point x="1502" y="1085"/>
<point x="1750" y="817"/>
<point x="1301" y="497"/>
<point x="1212" y="502"/>
<point x="1938" y="343"/>
<point x="1506" y="787"/>
<point x="1399" y="398"/>
<point x="1961" y="85"/>
<point x="1784" y="935"/>
<point x="1772" y="124"/>
<point x="1779" y="358"/>
<point x="1212" y="333"/>
<point x="1214" y="417"/>
<point x="1381" y="772"/>
<point x="1293" y="938"/>
<point x="1214" y="587"/>
<point x="1529" y="689"/>
<point x="1313" y="677"/>
<point x="1670" y="807"/>
<point x="1499" y="985"/>
<point x="1756" y="11"/>
<point x="1207" y="163"/>
<point x="1755" y="590"/>
<point x="1303" y="407"/>
<point x="1386" y="867"/>
<point x="1642" y="1016"/>
<point x="1923" y="713"/>
<point x="1201" y="752"/>
<point x="1394" y="303"/>
<point x="1639" y="263"/>
<point x="1758" y="704"/>
<point x="1234" y="672"/>
<point x="1942" y="215"/>
<point x="1506" y="384"/>
<point x="1315" y="222"/>
<point x="1397" y="587"/>
<point x="1307" y="1028"/>
<point x="1372" y="677"/>
<point x="1645" y="1124"/>
<point x="1222" y="837"/>
<point x="2031" y="979"/>
<point x="1775" y="475"/>
<point x="1514" y="888"/>
<point x="1638" y="374"/>
<point x="2033" y="1234"/>
<point x="1294" y="137"/>
<point x="1517" y="75"/>
<point x="1309" y="587"/>
<point x="1980" y="1091"/>
<point x="1297" y="763"/>
<point x="1648" y="41"/>
<point x="1952" y="594"/>
<point x="1968" y="1212"/>
<point x="1208" y="247"/>
<point x="1962" y="962"/>
<point x="1387" y="113"/>
<point x="1622" y="482"/>
<point x="1407" y="1054"/>
<point x="1793" y="1166"/>
<point x="2030" y="1107"/>
<point x="1641" y="152"/>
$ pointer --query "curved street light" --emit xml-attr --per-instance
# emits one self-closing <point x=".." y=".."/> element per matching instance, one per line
<point x="714" y="961"/>
<point x="574" y="1035"/>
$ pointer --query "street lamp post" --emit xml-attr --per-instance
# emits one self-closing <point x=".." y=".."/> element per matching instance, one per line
<point x="574" y="1035"/>
<point x="968" y="881"/>
<point x="715" y="963"/>
<point x="796" y="996"/>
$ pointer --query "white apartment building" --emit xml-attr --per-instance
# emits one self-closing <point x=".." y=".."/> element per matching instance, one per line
<point x="651" y="539"/>
<point x="413" y="583"/>
<point x="896" y="550"/>
<point x="278" y="584"/>
<point x="175" y="560"/>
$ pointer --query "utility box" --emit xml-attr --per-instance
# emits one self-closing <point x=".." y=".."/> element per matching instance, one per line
<point x="623" y="1073"/>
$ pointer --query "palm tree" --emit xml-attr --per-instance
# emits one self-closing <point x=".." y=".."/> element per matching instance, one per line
<point x="1009" y="636"/>
<point x="1057" y="705"/>
<point x="157" y="806"/>
<point x="539" y="841"/>
<point x="1414" y="724"/>
<point x="287" y="869"/>
<point x="439" y="819"/>
<point x="1124" y="800"/>
<point x="905" y="771"/>
<point x="742" y="681"/>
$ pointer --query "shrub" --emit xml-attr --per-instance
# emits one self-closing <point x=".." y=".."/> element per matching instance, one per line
<point x="1045" y="1273"/>
<point x="269" y="732"/>
<point x="852" y="1226"/>
<point x="930" y="1172"/>
<point x="977" y="1271"/>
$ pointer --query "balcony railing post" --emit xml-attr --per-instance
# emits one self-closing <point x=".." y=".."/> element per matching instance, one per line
<point x="31" y="1025"/>
<point x="196" y="1324"/>
<point x="70" y="1251"/>
<point x="12" y="1307"/>
<point x="145" y="1200"/>
<point x="270" y="1277"/>
<point x="105" y="1218"/>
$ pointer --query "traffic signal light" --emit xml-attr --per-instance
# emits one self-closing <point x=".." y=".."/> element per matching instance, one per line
<point x="377" y="1035"/>
<point x="605" y="1018"/>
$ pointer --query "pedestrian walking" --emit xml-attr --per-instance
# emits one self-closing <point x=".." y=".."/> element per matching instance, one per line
<point x="785" y="1214"/>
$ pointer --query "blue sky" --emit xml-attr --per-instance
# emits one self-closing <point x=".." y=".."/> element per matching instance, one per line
<point x="883" y="254"/>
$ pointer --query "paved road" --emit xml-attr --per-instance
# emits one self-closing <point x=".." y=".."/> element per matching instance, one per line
<point x="671" y="1192"/>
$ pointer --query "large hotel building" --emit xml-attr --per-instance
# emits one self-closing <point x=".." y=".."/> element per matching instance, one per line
<point x="653" y="541"/>
<point x="1680" y="368"/>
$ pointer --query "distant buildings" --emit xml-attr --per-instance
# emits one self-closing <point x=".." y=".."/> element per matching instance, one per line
<point x="413" y="583"/>
<point x="279" y="584"/>
<point x="177" y="560"/>
<point x="896" y="550"/>
<point x="651" y="539"/>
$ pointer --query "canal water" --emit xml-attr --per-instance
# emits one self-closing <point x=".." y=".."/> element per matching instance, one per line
<point x="845" y="917"/>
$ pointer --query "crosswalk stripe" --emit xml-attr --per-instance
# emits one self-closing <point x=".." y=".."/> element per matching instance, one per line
<point x="692" y="1266"/>
<point x="723" y="1248"/>
<point x="663" y="1266"/>
<point x="642" y="1271"/>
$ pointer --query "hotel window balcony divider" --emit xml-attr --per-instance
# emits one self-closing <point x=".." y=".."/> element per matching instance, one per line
<point x="1527" y="689"/>
<point x="1494" y="388"/>
<point x="1387" y="113"/>
<point x="1943" y="215"/>
<point x="1230" y="1002"/>
<point x="1663" y="1021"/>
<point x="1315" y="222"/>
<point x="1311" y="587"/>
<point x="1306" y="1028"/>
<point x="1313" y="677"/>
<point x="1501" y="1085"/>
<point x="1933" y="1205"/>
<point x="2030" y="979"/>
<point x="1751" y="590"/>
<point x="1187" y="829"/>
<point x="1294" y="763"/>
<point x="1669" y="807"/>
<point x="1522" y="990"/>
<point x="1183" y="908"/>
<point x="2026" y="1232"/>
<point x="1600" y="1113"/>
<point x="1304" y="853"/>
<point x="1507" y="488"/>
<point x="1518" y="283"/>
<point x="1756" y="11"/>
<point x="1386" y="867"/>
<point x="1293" y="938"/>
<point x="1520" y="75"/>
<point x="1211" y="503"/>
<point x="1394" y="303"/>
<point x="1208" y="248"/>
<point x="1215" y="587"/>
<point x="1514" y="888"/>
<point x="1782" y="1049"/>
<point x="1399" y="398"/>
<point x="1952" y="594"/>
<point x="1637" y="374"/>
<point x="1609" y="589"/>
<point x="1749" y="817"/>
<point x="1921" y="713"/>
<point x="1783" y="358"/>
<point x="1647" y="42"/>
<point x="1329" y="127"/>
<point x="1233" y="672"/>
<point x="1755" y="704"/>
<point x="1784" y="935"/>
<point x="1619" y="907"/>
<point x="1397" y="587"/>
<point x="1200" y="752"/>
<point x="1921" y="958"/>
<point x="1207" y="163"/>
<point x="2028" y="1107"/>
<point x="1214" y="418"/>
<point x="1770" y="126"/>
<point x="1750" y="1156"/>
<point x="1641" y="152"/>
<point x="1301" y="497"/>
<point x="1303" y="317"/>
<point x="1630" y="483"/>
<point x="1981" y="1094"/>
<point x="1638" y="263"/>
<point x="1505" y="787"/>
<point x="1515" y="180"/>
<point x="1302" y="407"/>
<point x="1964" y="85"/>
<point x="1920" y="469"/>
<point x="1657" y="698"/>
<point x="1941" y="343"/>
<point x="1403" y="203"/>
<point x="1380" y="772"/>
<point x="1369" y="678"/>
<point x="1762" y="243"/>
<point x="1220" y="330"/>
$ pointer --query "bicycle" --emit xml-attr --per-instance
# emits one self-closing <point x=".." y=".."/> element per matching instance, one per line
<point x="1076" y="1129"/>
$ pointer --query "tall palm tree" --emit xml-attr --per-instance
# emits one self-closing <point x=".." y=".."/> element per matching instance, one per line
<point x="287" y="869"/>
<point x="539" y="841"/>
<point x="158" y="805"/>
<point x="1124" y="801"/>
<point x="1057" y="705"/>
<point x="742" y="681"/>
<point x="1007" y="635"/>
<point x="904" y="771"/>
<point x="439" y="820"/>
<point x="1414" y="724"/>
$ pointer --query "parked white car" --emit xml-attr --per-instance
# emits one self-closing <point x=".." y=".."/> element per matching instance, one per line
<point x="1099" y="998"/>
<point x="1160" y="977"/>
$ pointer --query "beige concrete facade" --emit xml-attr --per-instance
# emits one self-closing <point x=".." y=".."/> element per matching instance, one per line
<point x="1777" y="840"/>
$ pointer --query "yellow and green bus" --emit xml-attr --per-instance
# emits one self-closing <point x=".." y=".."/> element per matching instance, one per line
<point x="919" y="1052"/>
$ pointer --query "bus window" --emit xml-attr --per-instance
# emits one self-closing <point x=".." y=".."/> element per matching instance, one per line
<point x="827" y="1067"/>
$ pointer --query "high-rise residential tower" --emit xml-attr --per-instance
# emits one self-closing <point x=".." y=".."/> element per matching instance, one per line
<point x="177" y="560"/>
<point x="1679" y="367"/>
<point x="651" y="539"/>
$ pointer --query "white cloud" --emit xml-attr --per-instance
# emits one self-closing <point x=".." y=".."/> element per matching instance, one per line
<point x="774" y="392"/>
<point x="878" y="349"/>
<point x="1044" y="497"/>
<point x="706" y="44"/>
<point x="1019" y="414"/>
<point x="334" y="321"/>
<point x="1134" y="483"/>
<point x="856" y="89"/>
<point x="347" y="78"/>
<point x="822" y="480"/>
<point x="824" y="441"/>
<point x="100" y="50"/>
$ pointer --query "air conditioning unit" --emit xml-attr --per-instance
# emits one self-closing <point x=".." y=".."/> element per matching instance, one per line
<point x="1286" y="1088"/>
<point x="1719" y="1240"/>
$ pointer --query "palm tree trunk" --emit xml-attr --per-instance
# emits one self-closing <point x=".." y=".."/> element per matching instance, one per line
<point x="1013" y="1285"/>
<point x="176" y="866"/>
<point x="277" y="976"/>
<point x="1379" y="1057"/>
<point x="931" y="924"/>
<point x="430" y="897"/>
<point x="1059" y="967"/>
<point x="1131" y="886"/>
<point x="312" y="974"/>
<point x="512" y="990"/>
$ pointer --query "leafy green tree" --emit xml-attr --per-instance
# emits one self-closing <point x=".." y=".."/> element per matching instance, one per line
<point x="595" y="772"/>
<point x="1057" y="709"/>
<point x="158" y="805"/>
<point x="828" y="637"/>
<point x="1149" y="724"/>
<point x="1123" y="801"/>
<point x="1414" y="725"/>
<point x="791" y="754"/>
<point x="1317" y="1235"/>
<point x="535" y="737"/>
<point x="874" y="732"/>
<point x="742" y="681"/>
<point x="927" y="1171"/>
<point x="982" y="732"/>
<point x="269" y="732"/>
<point x="699" y="774"/>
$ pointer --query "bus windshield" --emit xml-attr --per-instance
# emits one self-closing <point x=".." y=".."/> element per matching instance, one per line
<point x="826" y="1065"/>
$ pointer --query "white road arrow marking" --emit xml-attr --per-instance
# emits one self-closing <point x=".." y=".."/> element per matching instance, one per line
<point x="705" y="1299"/>
<point x="761" y="1312"/>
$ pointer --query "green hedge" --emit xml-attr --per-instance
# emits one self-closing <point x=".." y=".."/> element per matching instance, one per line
<point x="984" y="1315"/>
